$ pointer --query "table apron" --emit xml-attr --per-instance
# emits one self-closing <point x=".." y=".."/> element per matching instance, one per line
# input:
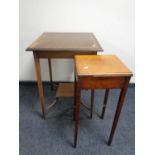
<point x="63" y="54"/>
<point x="101" y="82"/>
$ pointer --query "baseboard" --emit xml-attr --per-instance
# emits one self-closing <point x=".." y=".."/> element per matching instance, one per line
<point x="131" y="85"/>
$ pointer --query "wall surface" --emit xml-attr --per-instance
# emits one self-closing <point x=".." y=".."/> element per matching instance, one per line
<point x="111" y="21"/>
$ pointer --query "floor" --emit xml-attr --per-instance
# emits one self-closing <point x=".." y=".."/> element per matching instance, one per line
<point x="54" y="136"/>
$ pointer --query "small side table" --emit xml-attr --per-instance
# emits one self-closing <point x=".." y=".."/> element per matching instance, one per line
<point x="100" y="72"/>
<point x="58" y="45"/>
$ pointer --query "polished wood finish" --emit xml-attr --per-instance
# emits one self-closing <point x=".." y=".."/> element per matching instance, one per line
<point x="77" y="111"/>
<point x="92" y="103"/>
<point x="105" y="102"/>
<point x="63" y="54"/>
<point x="103" y="65"/>
<point x="50" y="41"/>
<point x="100" y="82"/>
<point x="50" y="72"/>
<point x="40" y="85"/>
<point x="74" y="108"/>
<point x="65" y="90"/>
<point x="60" y="45"/>
<point x="119" y="108"/>
<point x="98" y="72"/>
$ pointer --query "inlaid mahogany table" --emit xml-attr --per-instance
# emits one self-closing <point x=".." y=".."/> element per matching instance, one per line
<point x="100" y="72"/>
<point x="60" y="45"/>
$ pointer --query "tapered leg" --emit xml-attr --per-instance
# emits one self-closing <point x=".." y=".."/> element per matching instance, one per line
<point x="105" y="102"/>
<point x="77" y="113"/>
<point x="118" y="110"/>
<point x="50" y="73"/>
<point x="74" y="109"/>
<point x="39" y="81"/>
<point x="92" y="103"/>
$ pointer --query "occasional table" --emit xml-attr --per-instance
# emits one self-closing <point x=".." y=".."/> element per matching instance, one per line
<point x="100" y="72"/>
<point x="60" y="45"/>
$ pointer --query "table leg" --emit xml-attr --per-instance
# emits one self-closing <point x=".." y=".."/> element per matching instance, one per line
<point x="118" y="110"/>
<point x="39" y="81"/>
<point x="50" y="73"/>
<point x="74" y="109"/>
<point x="92" y="103"/>
<point x="77" y="113"/>
<point x="105" y="103"/>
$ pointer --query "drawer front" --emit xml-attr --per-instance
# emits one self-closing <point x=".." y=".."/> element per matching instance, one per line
<point x="101" y="82"/>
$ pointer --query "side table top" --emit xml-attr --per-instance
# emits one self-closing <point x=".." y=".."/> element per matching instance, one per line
<point x="100" y="65"/>
<point x="52" y="41"/>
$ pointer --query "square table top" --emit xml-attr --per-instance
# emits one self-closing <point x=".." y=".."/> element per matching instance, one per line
<point x="52" y="41"/>
<point x="100" y="65"/>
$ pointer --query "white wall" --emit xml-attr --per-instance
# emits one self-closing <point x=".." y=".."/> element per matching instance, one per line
<point x="112" y="21"/>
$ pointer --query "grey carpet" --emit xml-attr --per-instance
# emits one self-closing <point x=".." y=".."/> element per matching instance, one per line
<point x="54" y="136"/>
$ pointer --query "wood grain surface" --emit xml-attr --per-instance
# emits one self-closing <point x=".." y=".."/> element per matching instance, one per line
<point x="100" y="65"/>
<point x="50" y="41"/>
